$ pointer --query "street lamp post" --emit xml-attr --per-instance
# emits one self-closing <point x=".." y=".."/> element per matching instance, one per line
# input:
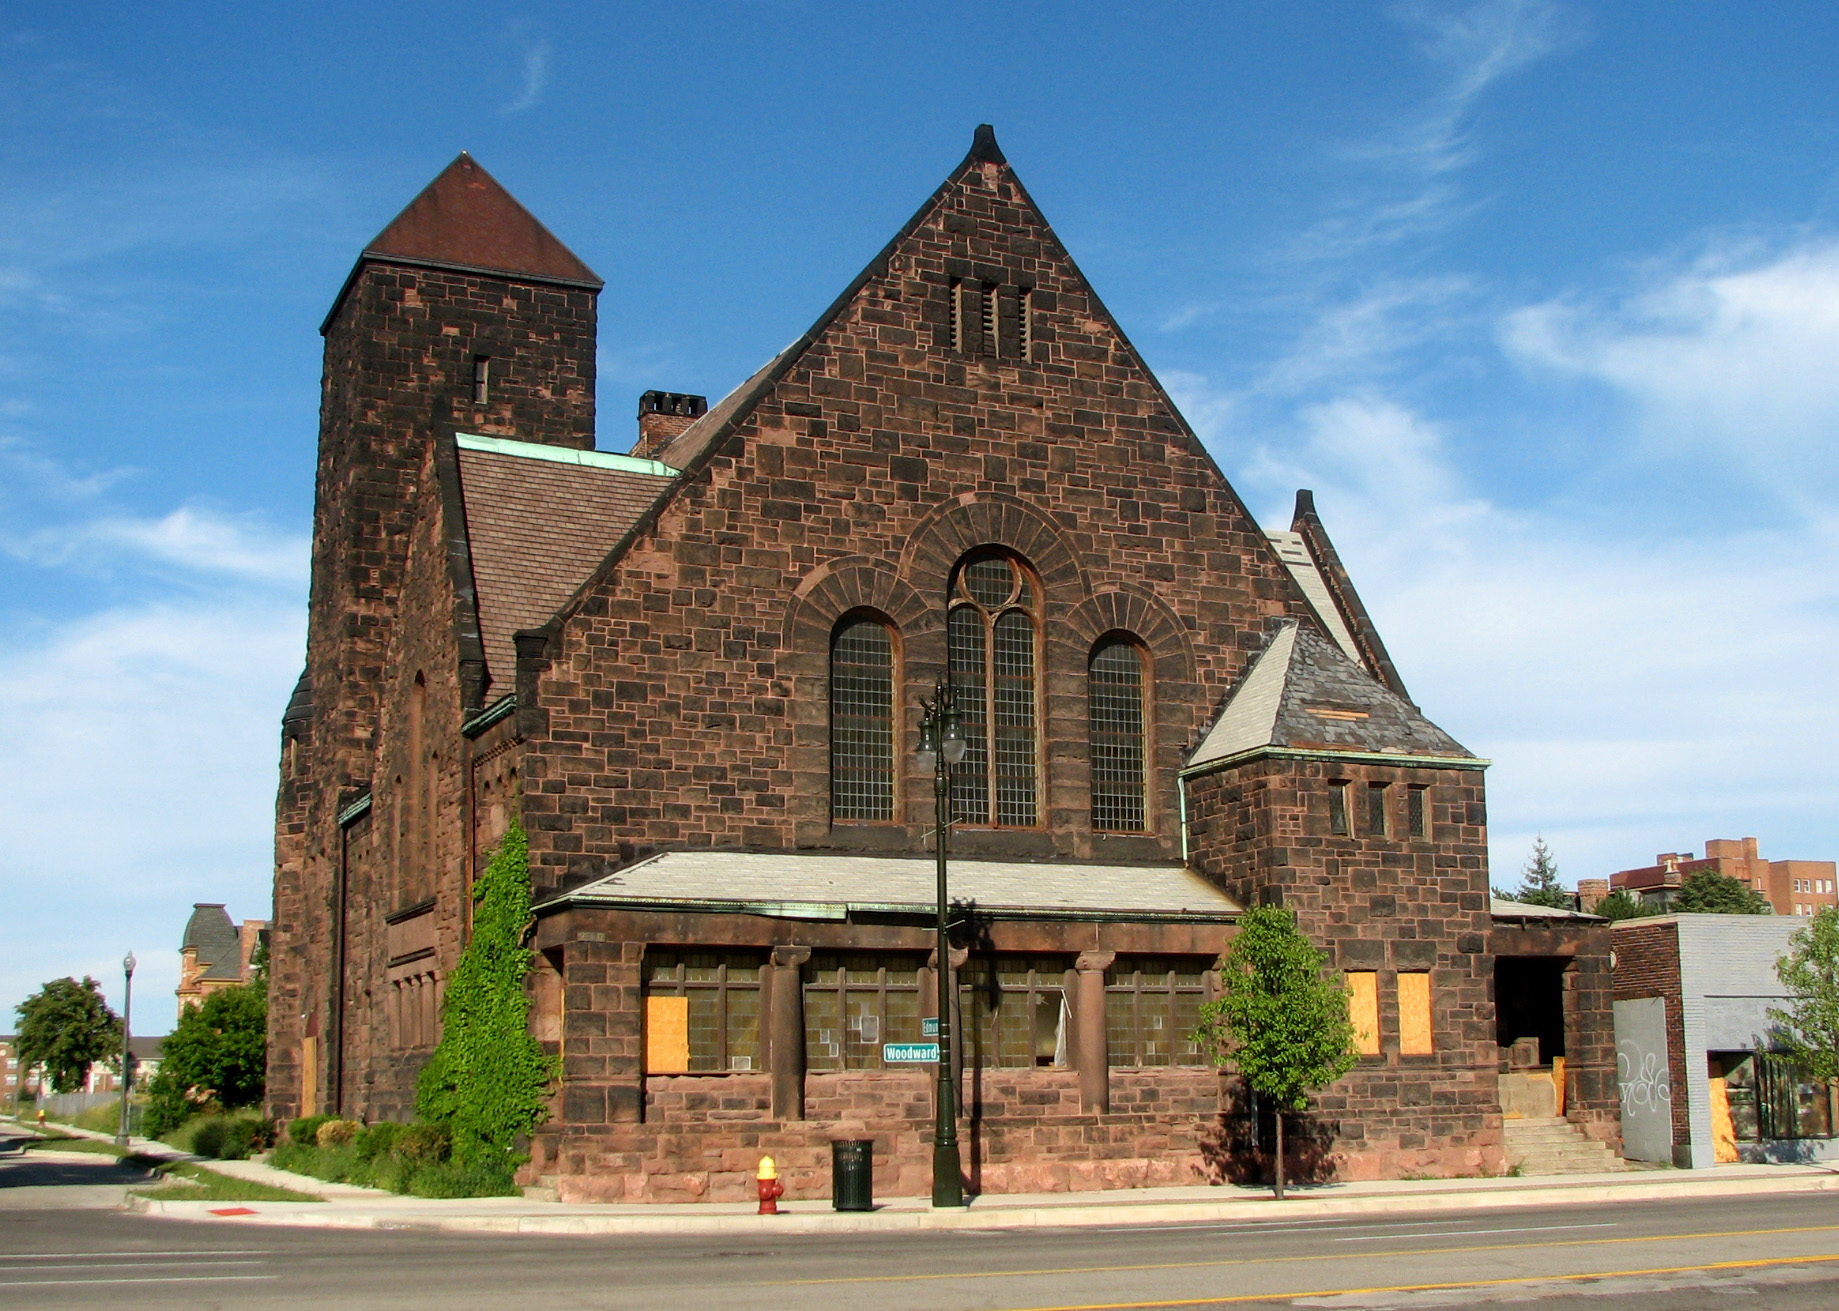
<point x="941" y="747"/>
<point x="127" y="1056"/>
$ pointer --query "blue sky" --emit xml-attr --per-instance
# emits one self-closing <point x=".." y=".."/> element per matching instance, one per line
<point x="1542" y="299"/>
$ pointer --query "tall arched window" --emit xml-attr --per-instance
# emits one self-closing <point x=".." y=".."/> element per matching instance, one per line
<point x="862" y="720"/>
<point x="993" y="641"/>
<point x="1114" y="694"/>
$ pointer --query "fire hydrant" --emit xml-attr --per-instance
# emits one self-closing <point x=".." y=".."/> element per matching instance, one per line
<point x="771" y="1190"/>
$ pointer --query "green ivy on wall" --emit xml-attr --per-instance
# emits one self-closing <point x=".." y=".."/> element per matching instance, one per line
<point x="488" y="1080"/>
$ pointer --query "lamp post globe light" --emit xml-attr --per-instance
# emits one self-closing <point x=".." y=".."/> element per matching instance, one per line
<point x="942" y="746"/>
<point x="127" y="1058"/>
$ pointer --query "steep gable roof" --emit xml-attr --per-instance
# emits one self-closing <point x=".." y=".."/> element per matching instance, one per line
<point x="465" y="218"/>
<point x="1304" y="693"/>
<point x="538" y="519"/>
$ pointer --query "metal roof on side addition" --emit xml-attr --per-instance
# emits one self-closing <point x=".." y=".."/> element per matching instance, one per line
<point x="825" y="887"/>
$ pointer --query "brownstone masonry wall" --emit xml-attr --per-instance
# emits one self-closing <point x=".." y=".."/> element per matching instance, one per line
<point x="1387" y="904"/>
<point x="684" y="701"/>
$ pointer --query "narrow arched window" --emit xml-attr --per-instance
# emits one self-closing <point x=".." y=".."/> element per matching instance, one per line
<point x="994" y="643"/>
<point x="862" y="721"/>
<point x="1114" y="694"/>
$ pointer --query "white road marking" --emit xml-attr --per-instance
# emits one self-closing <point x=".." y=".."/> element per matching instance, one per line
<point x="105" y="1256"/>
<point x="125" y="1265"/>
<point x="144" y="1279"/>
<point x="1464" y="1233"/>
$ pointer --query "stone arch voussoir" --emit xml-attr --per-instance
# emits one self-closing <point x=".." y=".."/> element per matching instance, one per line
<point x="992" y="519"/>
<point x="1143" y="616"/>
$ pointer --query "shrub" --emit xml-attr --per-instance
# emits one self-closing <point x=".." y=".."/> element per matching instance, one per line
<point x="305" y="1130"/>
<point x="376" y="1140"/>
<point x="452" y="1179"/>
<point x="245" y="1135"/>
<point x="208" y="1137"/>
<point x="423" y="1144"/>
<point x="290" y="1155"/>
<point x="337" y="1133"/>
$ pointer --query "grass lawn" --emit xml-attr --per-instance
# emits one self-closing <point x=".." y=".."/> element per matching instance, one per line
<point x="181" y="1181"/>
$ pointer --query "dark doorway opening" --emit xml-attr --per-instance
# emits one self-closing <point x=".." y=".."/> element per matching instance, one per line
<point x="1529" y="1002"/>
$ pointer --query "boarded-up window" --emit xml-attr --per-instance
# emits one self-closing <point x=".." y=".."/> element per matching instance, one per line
<point x="1363" y="1010"/>
<point x="713" y="999"/>
<point x="1414" y="1014"/>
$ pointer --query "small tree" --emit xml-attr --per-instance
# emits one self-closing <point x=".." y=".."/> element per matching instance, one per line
<point x="1809" y="1028"/>
<point x="1283" y="1020"/>
<point x="67" y="1027"/>
<point x="488" y="1078"/>
<point x="1707" y="892"/>
<point x="1619" y="905"/>
<point x="217" y="1055"/>
<point x="1539" y="885"/>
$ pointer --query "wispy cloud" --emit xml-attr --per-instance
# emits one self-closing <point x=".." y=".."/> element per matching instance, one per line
<point x="1729" y="357"/>
<point x="1472" y="48"/>
<point x="192" y="539"/>
<point x="535" y="71"/>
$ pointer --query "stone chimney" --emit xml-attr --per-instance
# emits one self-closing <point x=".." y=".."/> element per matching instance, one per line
<point x="663" y="415"/>
<point x="1591" y="891"/>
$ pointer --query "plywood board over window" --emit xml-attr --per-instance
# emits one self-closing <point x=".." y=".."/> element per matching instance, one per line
<point x="1414" y="1014"/>
<point x="1363" y="1010"/>
<point x="667" y="1035"/>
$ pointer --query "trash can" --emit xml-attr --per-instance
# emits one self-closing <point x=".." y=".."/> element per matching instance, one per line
<point x="852" y="1174"/>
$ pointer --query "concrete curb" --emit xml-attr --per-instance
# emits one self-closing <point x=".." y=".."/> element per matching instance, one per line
<point x="462" y="1217"/>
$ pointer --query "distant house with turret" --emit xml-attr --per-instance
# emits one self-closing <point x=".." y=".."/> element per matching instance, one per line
<point x="215" y="952"/>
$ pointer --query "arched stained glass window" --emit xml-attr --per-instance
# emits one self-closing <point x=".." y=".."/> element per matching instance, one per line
<point x="862" y="721"/>
<point x="994" y="642"/>
<point x="1114" y="693"/>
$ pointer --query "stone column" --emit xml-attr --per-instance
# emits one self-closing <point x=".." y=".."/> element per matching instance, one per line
<point x="786" y="1032"/>
<point x="1090" y="1055"/>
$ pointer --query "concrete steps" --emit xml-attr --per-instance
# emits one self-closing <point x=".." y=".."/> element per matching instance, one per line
<point x="1553" y="1145"/>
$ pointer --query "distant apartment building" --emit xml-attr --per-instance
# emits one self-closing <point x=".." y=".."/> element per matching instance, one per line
<point x="1793" y="887"/>
<point x="12" y="1077"/>
<point x="215" y="952"/>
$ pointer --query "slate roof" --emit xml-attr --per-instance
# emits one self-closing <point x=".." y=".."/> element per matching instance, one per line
<point x="824" y="887"/>
<point x="465" y="218"/>
<point x="1294" y="552"/>
<point x="1304" y="692"/>
<point x="538" y="521"/>
<point x="219" y="945"/>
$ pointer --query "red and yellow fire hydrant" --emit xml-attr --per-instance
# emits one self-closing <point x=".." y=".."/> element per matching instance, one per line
<point x="771" y="1190"/>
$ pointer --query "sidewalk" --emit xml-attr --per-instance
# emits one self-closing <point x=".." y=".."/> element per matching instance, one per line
<point x="355" y="1208"/>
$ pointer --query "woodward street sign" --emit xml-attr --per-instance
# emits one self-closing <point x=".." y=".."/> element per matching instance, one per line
<point x="910" y="1053"/>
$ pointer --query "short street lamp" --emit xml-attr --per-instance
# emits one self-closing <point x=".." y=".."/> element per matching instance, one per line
<point x="127" y="1056"/>
<point x="941" y="747"/>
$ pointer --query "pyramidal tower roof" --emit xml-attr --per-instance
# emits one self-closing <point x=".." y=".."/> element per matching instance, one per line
<point x="466" y="219"/>
<point x="1304" y="693"/>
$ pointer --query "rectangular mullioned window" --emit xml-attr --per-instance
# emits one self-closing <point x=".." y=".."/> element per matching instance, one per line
<point x="1337" y="808"/>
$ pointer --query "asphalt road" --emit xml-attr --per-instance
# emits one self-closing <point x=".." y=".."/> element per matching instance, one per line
<point x="1773" y="1254"/>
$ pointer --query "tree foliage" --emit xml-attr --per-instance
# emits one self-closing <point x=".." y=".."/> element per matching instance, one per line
<point x="1282" y="1020"/>
<point x="67" y="1027"/>
<point x="1708" y="892"/>
<point x="488" y="1079"/>
<point x="1539" y="885"/>
<point x="1620" y="905"/>
<point x="215" y="1058"/>
<point x="1809" y="1028"/>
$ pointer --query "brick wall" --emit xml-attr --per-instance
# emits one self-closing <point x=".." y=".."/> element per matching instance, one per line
<point x="1647" y="965"/>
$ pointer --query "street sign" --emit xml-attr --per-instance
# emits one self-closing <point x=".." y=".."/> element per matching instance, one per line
<point x="929" y="1026"/>
<point x="910" y="1053"/>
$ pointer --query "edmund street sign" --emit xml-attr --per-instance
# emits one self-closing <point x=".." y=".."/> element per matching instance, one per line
<point x="929" y="1026"/>
<point x="910" y="1053"/>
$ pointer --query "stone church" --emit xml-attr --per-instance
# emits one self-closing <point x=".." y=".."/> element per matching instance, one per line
<point x="693" y="670"/>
